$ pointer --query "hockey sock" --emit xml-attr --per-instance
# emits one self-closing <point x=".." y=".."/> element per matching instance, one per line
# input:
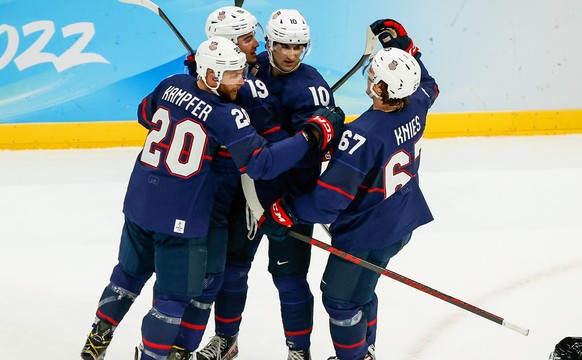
<point x="119" y="295"/>
<point x="160" y="327"/>
<point x="296" y="310"/>
<point x="348" y="327"/>
<point x="193" y="325"/>
<point x="196" y="315"/>
<point x="371" y="313"/>
<point x="231" y="300"/>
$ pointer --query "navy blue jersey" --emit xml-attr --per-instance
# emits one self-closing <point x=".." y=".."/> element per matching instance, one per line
<point x="370" y="191"/>
<point x="261" y="105"/>
<point x="171" y="186"/>
<point x="255" y="97"/>
<point x="299" y="93"/>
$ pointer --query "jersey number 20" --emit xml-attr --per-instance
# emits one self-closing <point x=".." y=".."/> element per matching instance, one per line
<point x="182" y="158"/>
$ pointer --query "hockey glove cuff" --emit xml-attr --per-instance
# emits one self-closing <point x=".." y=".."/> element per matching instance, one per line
<point x="190" y="63"/>
<point x="277" y="220"/>
<point x="392" y="34"/>
<point x="327" y="123"/>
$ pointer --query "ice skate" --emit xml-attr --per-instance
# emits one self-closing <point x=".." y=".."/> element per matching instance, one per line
<point x="97" y="341"/>
<point x="219" y="348"/>
<point x="299" y="355"/>
<point x="371" y="355"/>
<point x="371" y="352"/>
<point x="178" y="353"/>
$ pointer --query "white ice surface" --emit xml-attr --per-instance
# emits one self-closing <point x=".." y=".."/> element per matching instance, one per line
<point x="507" y="238"/>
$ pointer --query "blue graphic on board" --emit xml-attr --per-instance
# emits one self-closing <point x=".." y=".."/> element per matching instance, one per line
<point x="69" y="61"/>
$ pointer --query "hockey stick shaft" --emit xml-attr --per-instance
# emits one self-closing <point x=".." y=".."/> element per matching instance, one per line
<point x="157" y="10"/>
<point x="368" y="50"/>
<point x="383" y="271"/>
<point x="370" y="47"/>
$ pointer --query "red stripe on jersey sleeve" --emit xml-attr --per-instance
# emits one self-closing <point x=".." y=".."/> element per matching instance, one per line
<point x="334" y="188"/>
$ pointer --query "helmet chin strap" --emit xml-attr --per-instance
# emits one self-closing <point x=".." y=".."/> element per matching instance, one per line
<point x="214" y="90"/>
<point x="372" y="94"/>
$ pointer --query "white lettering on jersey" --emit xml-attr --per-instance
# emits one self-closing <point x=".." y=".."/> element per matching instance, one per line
<point x="241" y="117"/>
<point x="182" y="98"/>
<point x="352" y="141"/>
<point x="407" y="131"/>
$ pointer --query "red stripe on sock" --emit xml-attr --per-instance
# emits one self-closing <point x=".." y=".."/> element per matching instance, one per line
<point x="225" y="320"/>
<point x="341" y="346"/>
<point x="156" y="346"/>
<point x="102" y="316"/>
<point x="298" y="333"/>
<point x="193" y="326"/>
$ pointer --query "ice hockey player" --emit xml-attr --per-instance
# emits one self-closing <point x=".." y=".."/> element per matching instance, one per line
<point x="228" y="218"/>
<point x="301" y="91"/>
<point x="370" y="191"/>
<point x="171" y="191"/>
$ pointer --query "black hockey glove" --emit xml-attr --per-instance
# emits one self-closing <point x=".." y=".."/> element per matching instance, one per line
<point x="277" y="220"/>
<point x="392" y="34"/>
<point x="328" y="123"/>
<point x="569" y="348"/>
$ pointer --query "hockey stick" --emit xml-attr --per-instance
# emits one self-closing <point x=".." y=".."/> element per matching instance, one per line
<point x="369" y="49"/>
<point x="383" y="271"/>
<point x="158" y="11"/>
<point x="257" y="210"/>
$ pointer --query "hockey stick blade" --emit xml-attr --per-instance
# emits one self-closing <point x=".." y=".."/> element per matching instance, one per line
<point x="157" y="10"/>
<point x="143" y="3"/>
<point x="395" y="276"/>
<point x="371" y="46"/>
<point x="248" y="188"/>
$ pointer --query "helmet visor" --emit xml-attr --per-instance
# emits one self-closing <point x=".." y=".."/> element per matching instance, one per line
<point x="289" y="49"/>
<point x="366" y="65"/>
<point x="234" y="77"/>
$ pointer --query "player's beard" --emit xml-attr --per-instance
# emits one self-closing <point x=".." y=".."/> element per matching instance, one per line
<point x="228" y="92"/>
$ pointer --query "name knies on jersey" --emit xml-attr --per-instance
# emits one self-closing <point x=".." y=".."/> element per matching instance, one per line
<point x="407" y="131"/>
<point x="182" y="98"/>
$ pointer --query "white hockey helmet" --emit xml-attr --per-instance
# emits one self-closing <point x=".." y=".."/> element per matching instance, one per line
<point x="218" y="54"/>
<point x="288" y="26"/>
<point x="230" y="22"/>
<point x="398" y="69"/>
